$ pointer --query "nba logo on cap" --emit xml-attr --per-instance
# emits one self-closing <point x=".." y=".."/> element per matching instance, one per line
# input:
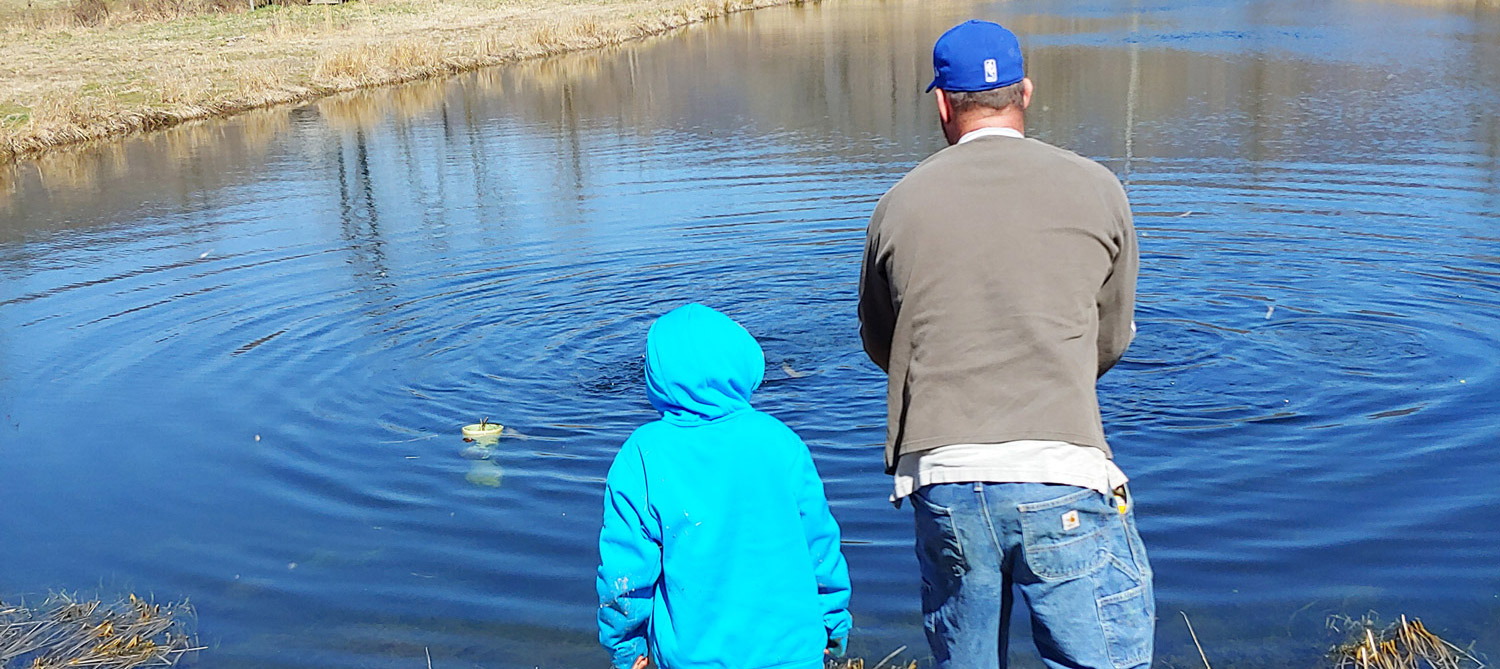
<point x="976" y="56"/>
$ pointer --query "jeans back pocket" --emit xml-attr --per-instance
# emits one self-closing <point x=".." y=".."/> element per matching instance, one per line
<point x="940" y="550"/>
<point x="1062" y="538"/>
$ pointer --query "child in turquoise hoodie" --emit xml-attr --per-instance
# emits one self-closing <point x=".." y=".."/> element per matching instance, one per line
<point x="718" y="548"/>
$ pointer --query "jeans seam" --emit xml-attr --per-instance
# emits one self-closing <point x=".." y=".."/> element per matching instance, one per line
<point x="947" y="510"/>
<point x="1132" y="541"/>
<point x="1060" y="501"/>
<point x="1070" y="543"/>
<point x="1130" y="545"/>
<point x="1105" y="630"/>
<point x="989" y="523"/>
<point x="958" y="540"/>
<point x="1118" y="597"/>
<point x="1130" y="570"/>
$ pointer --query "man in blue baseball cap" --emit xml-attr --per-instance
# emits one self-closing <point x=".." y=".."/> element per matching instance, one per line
<point x="998" y="284"/>
<point x="977" y="66"/>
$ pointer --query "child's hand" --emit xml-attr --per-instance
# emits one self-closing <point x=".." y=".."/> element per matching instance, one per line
<point x="640" y="663"/>
<point x="835" y="647"/>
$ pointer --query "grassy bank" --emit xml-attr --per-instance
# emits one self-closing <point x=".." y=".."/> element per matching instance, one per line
<point x="76" y="70"/>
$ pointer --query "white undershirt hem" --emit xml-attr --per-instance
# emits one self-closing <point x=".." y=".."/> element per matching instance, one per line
<point x="1022" y="461"/>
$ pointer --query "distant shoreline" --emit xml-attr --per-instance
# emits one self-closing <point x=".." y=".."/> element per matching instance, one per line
<point x="82" y="70"/>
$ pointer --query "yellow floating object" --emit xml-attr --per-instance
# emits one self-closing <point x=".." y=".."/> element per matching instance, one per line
<point x="483" y="429"/>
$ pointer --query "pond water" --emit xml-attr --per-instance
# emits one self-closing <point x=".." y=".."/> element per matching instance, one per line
<point x="235" y="356"/>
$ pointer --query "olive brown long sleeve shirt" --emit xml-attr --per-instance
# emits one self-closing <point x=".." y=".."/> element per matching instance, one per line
<point x="998" y="284"/>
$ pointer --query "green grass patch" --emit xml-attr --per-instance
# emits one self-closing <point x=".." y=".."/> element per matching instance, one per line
<point x="13" y="115"/>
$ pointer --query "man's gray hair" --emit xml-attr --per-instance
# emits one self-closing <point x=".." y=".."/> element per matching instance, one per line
<point x="994" y="99"/>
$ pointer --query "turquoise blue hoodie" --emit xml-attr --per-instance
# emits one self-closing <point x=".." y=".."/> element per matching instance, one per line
<point x="718" y="548"/>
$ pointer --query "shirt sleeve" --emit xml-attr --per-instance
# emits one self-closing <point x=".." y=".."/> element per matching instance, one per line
<point x="877" y="313"/>
<point x="1117" y="296"/>
<point x="831" y="571"/>
<point x="629" y="560"/>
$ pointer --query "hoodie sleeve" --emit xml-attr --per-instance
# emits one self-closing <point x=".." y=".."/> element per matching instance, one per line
<point x="828" y="562"/>
<point x="629" y="560"/>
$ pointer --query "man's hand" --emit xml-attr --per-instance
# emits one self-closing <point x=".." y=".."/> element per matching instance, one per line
<point x="640" y="663"/>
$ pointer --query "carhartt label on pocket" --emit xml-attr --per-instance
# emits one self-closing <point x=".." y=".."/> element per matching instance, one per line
<point x="1070" y="520"/>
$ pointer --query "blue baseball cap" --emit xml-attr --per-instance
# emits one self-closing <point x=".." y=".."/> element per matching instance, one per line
<point x="976" y="56"/>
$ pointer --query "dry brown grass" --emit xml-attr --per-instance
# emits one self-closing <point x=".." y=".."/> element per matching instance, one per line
<point x="79" y="70"/>
<point x="66" y="631"/>
<point x="65" y="14"/>
<point x="859" y="663"/>
<point x="1406" y="644"/>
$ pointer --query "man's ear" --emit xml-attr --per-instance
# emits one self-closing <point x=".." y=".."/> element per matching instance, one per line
<point x="1026" y="89"/>
<point x="945" y="110"/>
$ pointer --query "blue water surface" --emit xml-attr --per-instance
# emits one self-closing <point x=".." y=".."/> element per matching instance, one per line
<point x="235" y="356"/>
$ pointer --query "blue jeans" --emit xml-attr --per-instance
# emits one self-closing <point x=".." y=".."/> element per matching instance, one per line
<point x="1077" y="560"/>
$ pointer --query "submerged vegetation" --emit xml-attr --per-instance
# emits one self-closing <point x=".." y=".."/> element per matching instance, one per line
<point x="1402" y="645"/>
<point x="78" y="70"/>
<point x="860" y="663"/>
<point x="65" y="631"/>
<point x="1369" y="644"/>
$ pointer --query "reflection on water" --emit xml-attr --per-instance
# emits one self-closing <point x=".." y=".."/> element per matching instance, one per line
<point x="282" y="320"/>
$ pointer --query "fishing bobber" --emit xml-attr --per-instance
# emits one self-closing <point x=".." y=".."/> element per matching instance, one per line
<point x="483" y="432"/>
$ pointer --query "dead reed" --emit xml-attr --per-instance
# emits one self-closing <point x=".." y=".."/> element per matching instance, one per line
<point x="1402" y="645"/>
<point x="104" y="13"/>
<point x="68" y="632"/>
<point x="1370" y="645"/>
<point x="859" y="663"/>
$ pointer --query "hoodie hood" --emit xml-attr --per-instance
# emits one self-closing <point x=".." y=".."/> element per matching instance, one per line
<point x="701" y="365"/>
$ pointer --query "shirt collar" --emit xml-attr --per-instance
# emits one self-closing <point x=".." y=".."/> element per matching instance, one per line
<point x="991" y="132"/>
